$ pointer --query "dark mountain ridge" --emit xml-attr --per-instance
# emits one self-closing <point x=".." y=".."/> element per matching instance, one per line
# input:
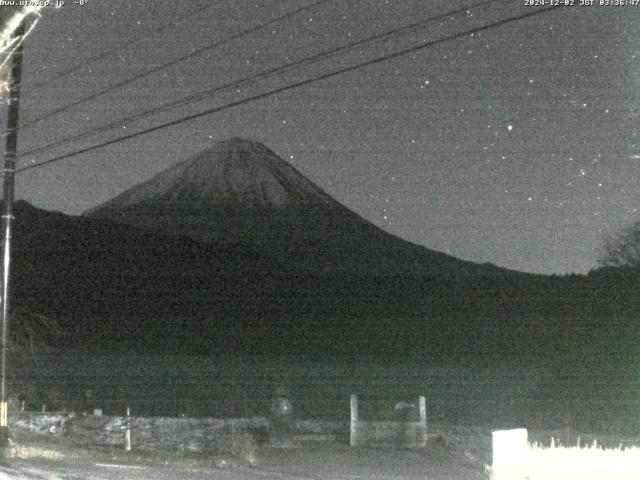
<point x="216" y="262"/>
<point x="113" y="286"/>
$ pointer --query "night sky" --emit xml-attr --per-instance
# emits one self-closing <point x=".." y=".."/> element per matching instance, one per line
<point x="518" y="145"/>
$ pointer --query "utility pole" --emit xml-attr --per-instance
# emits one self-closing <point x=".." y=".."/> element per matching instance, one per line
<point x="7" y="218"/>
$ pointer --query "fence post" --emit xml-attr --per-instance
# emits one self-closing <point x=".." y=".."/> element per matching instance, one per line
<point x="353" y="439"/>
<point x="127" y="432"/>
<point x="510" y="449"/>
<point x="422" y="440"/>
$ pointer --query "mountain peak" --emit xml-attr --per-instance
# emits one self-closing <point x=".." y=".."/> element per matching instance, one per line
<point x="237" y="148"/>
<point x="234" y="172"/>
<point x="239" y="143"/>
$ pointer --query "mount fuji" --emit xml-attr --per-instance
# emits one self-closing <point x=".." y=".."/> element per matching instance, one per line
<point x="241" y="192"/>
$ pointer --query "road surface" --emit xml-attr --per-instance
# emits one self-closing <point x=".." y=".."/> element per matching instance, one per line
<point x="317" y="463"/>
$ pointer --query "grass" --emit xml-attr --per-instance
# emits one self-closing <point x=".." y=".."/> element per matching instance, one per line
<point x="558" y="462"/>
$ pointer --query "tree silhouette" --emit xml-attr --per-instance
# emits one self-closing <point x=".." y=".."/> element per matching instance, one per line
<point x="622" y="249"/>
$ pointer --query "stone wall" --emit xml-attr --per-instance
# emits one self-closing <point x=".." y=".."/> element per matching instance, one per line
<point x="405" y="434"/>
<point x="157" y="434"/>
<point x="206" y="435"/>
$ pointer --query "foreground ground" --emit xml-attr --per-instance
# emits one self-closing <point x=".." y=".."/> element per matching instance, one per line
<point x="454" y="453"/>
<point x="41" y="458"/>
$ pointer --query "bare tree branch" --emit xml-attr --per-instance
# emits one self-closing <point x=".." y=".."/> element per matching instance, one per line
<point x="621" y="249"/>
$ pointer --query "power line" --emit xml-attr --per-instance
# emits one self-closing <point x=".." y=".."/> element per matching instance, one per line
<point x="181" y="59"/>
<point x="253" y="78"/>
<point x="292" y="86"/>
<point x="124" y="45"/>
